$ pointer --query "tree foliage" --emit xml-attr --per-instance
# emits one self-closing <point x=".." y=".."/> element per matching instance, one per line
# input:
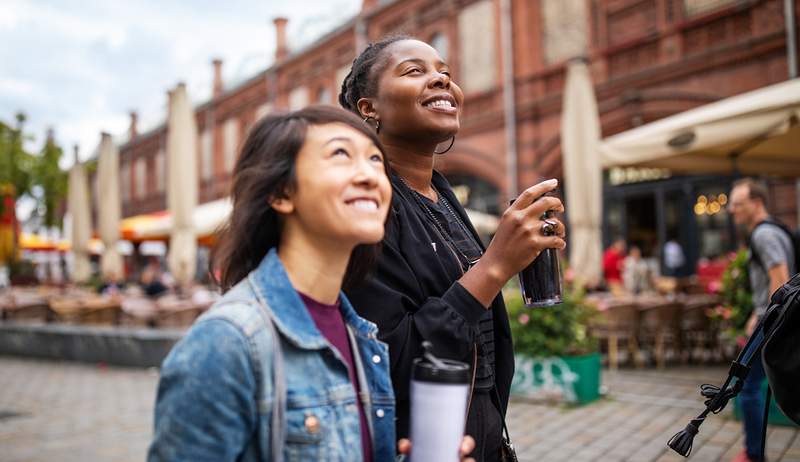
<point x="37" y="176"/>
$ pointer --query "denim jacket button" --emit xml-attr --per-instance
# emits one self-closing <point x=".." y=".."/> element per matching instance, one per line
<point x="376" y="359"/>
<point x="312" y="423"/>
<point x="380" y="413"/>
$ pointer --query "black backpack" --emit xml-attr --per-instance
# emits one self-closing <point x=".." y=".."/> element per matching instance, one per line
<point x="794" y="237"/>
<point x="776" y="340"/>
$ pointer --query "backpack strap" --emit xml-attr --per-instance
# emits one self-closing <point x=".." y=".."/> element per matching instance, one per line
<point x="770" y="221"/>
<point x="764" y="424"/>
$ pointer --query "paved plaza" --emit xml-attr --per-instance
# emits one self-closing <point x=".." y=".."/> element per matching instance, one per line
<point x="77" y="412"/>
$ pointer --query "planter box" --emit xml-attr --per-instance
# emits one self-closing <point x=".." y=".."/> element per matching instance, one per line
<point x="571" y="379"/>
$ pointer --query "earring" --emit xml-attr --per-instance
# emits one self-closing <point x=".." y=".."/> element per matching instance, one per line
<point x="377" y="123"/>
<point x="452" y="141"/>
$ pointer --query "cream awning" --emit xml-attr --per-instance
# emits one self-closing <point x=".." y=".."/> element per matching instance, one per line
<point x="753" y="133"/>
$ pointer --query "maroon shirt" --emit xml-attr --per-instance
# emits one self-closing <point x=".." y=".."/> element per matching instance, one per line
<point x="330" y="323"/>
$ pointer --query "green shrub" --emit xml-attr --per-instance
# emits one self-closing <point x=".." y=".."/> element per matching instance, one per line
<point x="737" y="298"/>
<point x="560" y="330"/>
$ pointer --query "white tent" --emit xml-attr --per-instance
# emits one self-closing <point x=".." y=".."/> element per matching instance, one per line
<point x="580" y="134"/>
<point x="182" y="186"/>
<point x="109" y="206"/>
<point x="79" y="207"/>
<point x="752" y="133"/>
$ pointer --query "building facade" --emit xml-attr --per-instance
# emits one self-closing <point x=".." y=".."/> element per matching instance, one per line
<point x="649" y="59"/>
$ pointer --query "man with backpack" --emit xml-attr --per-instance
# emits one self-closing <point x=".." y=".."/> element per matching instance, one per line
<point x="771" y="261"/>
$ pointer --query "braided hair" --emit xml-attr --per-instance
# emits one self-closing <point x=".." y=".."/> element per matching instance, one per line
<point x="360" y="81"/>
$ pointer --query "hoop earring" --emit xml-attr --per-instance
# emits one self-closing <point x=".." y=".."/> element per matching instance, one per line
<point x="452" y="141"/>
<point x="377" y="123"/>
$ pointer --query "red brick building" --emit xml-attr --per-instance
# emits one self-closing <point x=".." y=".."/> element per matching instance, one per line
<point x="649" y="59"/>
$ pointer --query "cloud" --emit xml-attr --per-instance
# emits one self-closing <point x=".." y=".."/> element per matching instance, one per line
<point x="80" y="66"/>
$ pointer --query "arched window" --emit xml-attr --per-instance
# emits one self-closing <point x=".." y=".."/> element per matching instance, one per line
<point x="439" y="42"/>
<point x="324" y="95"/>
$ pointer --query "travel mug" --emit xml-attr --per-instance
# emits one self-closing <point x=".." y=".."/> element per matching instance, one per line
<point x="540" y="282"/>
<point x="439" y="393"/>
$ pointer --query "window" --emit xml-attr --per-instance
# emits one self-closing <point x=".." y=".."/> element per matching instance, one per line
<point x="324" y="95"/>
<point x="140" y="177"/>
<point x="263" y="110"/>
<point x="697" y="7"/>
<point x="161" y="170"/>
<point x="206" y="154"/>
<point x="298" y="98"/>
<point x="341" y="74"/>
<point x="439" y="43"/>
<point x="564" y="30"/>
<point x="230" y="135"/>
<point x="125" y="181"/>
<point x="477" y="37"/>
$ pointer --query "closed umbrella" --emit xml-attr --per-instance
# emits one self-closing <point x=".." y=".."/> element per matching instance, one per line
<point x="109" y="206"/>
<point x="182" y="186"/>
<point x="78" y="204"/>
<point x="580" y="135"/>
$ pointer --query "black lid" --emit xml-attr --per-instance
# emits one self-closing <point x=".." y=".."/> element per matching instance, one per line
<point x="429" y="368"/>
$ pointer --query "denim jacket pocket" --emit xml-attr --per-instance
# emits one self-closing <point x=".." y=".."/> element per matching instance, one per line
<point x="306" y="433"/>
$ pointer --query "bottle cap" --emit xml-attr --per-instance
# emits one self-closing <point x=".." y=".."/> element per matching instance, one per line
<point x="429" y="368"/>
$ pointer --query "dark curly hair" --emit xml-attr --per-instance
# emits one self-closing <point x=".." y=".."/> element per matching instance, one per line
<point x="361" y="81"/>
<point x="266" y="170"/>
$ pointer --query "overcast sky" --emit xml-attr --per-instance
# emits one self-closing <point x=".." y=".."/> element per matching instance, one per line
<point x="80" y="66"/>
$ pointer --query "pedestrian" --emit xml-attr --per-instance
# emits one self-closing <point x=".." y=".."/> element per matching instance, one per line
<point x="636" y="274"/>
<point x="613" y="261"/>
<point x="674" y="257"/>
<point x="435" y="280"/>
<point x="282" y="367"/>
<point x="771" y="261"/>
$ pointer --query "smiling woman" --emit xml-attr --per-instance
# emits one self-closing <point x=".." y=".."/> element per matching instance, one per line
<point x="276" y="370"/>
<point x="435" y="281"/>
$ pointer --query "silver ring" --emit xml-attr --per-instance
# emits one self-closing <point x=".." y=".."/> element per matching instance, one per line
<point x="549" y="227"/>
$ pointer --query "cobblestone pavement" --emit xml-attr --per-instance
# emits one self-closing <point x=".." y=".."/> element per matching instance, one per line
<point x="76" y="412"/>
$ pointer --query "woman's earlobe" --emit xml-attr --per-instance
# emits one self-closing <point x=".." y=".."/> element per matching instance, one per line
<point x="282" y="205"/>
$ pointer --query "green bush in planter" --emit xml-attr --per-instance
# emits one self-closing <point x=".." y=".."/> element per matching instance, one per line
<point x="555" y="353"/>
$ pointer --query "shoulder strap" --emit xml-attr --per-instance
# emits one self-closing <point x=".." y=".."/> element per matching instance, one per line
<point x="770" y="221"/>
<point x="278" y="423"/>
<point x="764" y="425"/>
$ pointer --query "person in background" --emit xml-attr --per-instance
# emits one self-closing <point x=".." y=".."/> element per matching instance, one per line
<point x="151" y="282"/>
<point x="112" y="286"/>
<point x="771" y="261"/>
<point x="637" y="277"/>
<point x="674" y="258"/>
<point x="613" y="259"/>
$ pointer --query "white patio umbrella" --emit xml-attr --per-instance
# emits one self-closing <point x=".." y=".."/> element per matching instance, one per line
<point x="182" y="186"/>
<point x="78" y="204"/>
<point x="752" y="133"/>
<point x="109" y="206"/>
<point x="580" y="134"/>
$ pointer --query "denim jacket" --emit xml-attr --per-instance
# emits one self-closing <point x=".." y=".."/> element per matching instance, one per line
<point x="216" y="393"/>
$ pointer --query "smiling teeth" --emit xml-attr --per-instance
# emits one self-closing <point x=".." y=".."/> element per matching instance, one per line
<point x="441" y="103"/>
<point x="365" y="205"/>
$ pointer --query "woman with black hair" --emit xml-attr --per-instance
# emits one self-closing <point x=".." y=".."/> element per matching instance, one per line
<point x="435" y="281"/>
<point x="282" y="367"/>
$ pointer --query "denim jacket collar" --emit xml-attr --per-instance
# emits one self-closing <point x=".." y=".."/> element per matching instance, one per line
<point x="271" y="284"/>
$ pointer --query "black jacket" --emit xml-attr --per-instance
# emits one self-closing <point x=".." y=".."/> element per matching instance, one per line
<point x="414" y="295"/>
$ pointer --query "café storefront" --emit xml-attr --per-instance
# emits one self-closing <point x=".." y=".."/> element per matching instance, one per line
<point x="648" y="207"/>
<point x="670" y="179"/>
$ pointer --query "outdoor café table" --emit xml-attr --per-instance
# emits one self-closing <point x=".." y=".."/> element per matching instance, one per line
<point x="138" y="311"/>
<point x="174" y="311"/>
<point x="660" y="323"/>
<point x="697" y="328"/>
<point x="86" y="308"/>
<point x="618" y="319"/>
<point x="23" y="304"/>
